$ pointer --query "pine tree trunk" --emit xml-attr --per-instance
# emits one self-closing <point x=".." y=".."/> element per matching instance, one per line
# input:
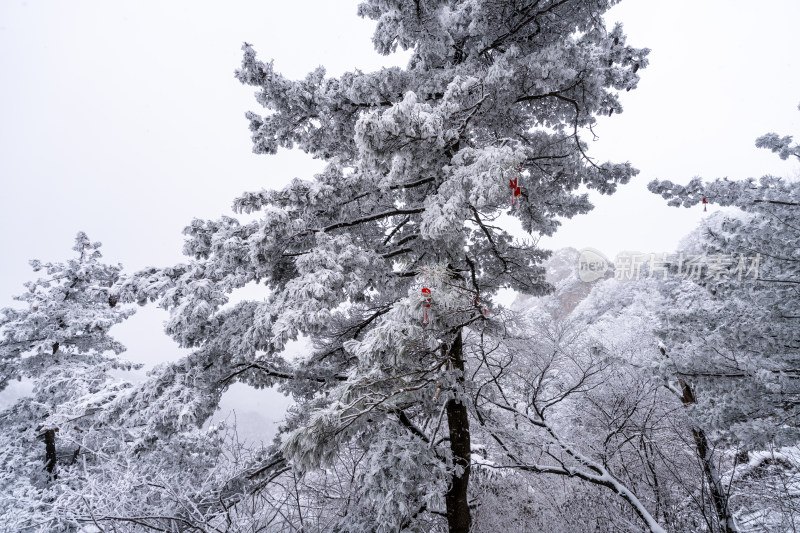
<point x="718" y="496"/>
<point x="458" y="517"/>
<point x="50" y="452"/>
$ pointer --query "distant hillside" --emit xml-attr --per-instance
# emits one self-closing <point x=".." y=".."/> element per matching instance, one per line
<point x="562" y="273"/>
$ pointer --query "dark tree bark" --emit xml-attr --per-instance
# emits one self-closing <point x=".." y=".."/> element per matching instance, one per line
<point x="458" y="516"/>
<point x="50" y="452"/>
<point x="718" y="495"/>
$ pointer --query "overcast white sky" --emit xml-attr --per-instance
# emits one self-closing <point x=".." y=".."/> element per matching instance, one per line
<point x="123" y="119"/>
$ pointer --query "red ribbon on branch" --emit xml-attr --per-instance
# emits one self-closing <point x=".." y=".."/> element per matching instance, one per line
<point x="426" y="295"/>
<point x="484" y="310"/>
<point x="516" y="188"/>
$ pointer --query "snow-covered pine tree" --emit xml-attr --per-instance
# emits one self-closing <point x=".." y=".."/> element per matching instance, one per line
<point x="730" y="332"/>
<point x="735" y="333"/>
<point x="59" y="341"/>
<point x="422" y="163"/>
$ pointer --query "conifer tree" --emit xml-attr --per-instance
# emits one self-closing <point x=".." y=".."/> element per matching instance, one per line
<point x="59" y="340"/>
<point x="730" y="331"/>
<point x="390" y="257"/>
<point x="733" y="328"/>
